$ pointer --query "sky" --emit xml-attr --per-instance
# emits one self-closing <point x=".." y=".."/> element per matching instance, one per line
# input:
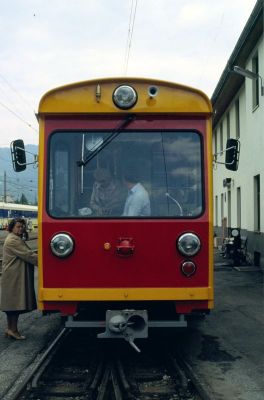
<point x="49" y="43"/>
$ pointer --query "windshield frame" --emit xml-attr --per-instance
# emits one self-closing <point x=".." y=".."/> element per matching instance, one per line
<point x="122" y="218"/>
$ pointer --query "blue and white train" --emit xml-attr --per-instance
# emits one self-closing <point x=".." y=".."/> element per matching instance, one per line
<point x="13" y="210"/>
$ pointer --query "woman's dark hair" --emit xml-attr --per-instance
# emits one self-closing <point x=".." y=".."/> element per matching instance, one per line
<point x="13" y="222"/>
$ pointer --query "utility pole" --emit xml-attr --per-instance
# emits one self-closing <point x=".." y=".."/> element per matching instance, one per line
<point x="5" y="187"/>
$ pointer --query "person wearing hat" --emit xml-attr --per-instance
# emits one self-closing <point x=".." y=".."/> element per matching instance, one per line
<point x="108" y="195"/>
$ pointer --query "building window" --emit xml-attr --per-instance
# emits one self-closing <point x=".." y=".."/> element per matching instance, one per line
<point x="222" y="208"/>
<point x="215" y="142"/>
<point x="228" y="125"/>
<point x="216" y="210"/>
<point x="237" y="119"/>
<point x="229" y="209"/>
<point x="221" y="138"/>
<point x="255" y="82"/>
<point x="257" y="203"/>
<point x="239" y="207"/>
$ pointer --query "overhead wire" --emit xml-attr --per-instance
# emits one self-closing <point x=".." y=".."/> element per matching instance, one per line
<point x="132" y="17"/>
<point x="14" y="186"/>
<point x="11" y="110"/>
<point x="18" y="116"/>
<point x="16" y="91"/>
<point x="128" y="35"/>
<point x="7" y="96"/>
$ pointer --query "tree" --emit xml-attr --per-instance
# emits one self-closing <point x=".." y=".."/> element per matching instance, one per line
<point x="23" y="199"/>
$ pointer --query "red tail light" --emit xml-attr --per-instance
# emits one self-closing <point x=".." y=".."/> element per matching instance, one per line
<point x="188" y="268"/>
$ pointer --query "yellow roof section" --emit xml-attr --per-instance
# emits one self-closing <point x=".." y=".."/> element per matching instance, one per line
<point x="95" y="96"/>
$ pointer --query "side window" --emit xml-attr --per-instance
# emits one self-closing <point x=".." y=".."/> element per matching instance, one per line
<point x="237" y="111"/>
<point x="255" y="82"/>
<point x="228" y="125"/>
<point x="221" y="138"/>
<point x="59" y="186"/>
<point x="182" y="153"/>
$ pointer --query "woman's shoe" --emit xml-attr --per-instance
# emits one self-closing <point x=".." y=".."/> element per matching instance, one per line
<point x="14" y="335"/>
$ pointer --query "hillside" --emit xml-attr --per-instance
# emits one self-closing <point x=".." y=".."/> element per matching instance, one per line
<point x="18" y="183"/>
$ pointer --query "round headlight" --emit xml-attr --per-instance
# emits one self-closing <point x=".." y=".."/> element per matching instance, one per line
<point x="125" y="97"/>
<point x="235" y="232"/>
<point x="188" y="244"/>
<point x="61" y="245"/>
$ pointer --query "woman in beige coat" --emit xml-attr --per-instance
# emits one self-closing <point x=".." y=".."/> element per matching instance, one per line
<point x="17" y="286"/>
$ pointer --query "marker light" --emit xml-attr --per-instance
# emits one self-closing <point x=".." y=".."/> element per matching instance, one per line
<point x="188" y="268"/>
<point x="61" y="245"/>
<point x="188" y="244"/>
<point x="125" y="97"/>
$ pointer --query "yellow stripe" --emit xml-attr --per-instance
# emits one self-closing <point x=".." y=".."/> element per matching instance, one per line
<point x="210" y="304"/>
<point x="210" y="202"/>
<point x="106" y="294"/>
<point x="40" y="201"/>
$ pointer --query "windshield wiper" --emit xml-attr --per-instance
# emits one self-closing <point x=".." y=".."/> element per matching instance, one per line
<point x="108" y="140"/>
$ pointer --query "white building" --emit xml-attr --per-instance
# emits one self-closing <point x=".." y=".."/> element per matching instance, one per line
<point x="238" y="103"/>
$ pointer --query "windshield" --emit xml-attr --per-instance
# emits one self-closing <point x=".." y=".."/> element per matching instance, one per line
<point x="138" y="174"/>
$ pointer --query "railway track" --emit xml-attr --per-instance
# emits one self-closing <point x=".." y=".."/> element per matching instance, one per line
<point x="77" y="366"/>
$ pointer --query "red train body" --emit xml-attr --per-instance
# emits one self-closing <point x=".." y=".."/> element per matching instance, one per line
<point x="115" y="261"/>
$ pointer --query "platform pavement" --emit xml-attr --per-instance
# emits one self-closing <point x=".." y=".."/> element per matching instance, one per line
<point x="16" y="355"/>
<point x="225" y="349"/>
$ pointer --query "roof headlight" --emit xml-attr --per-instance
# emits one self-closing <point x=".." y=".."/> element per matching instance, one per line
<point x="61" y="245"/>
<point x="125" y="97"/>
<point x="189" y="244"/>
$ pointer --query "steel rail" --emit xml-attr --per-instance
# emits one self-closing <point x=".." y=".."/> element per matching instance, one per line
<point x="14" y="390"/>
<point x="115" y="383"/>
<point x="97" y="377"/>
<point x="102" y="389"/>
<point x="181" y="373"/>
<point x="122" y="375"/>
<point x="199" y="387"/>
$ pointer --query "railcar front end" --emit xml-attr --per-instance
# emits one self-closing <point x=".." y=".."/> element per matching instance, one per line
<point x="125" y="272"/>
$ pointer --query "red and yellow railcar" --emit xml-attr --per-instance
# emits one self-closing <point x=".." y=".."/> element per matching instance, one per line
<point x="146" y="269"/>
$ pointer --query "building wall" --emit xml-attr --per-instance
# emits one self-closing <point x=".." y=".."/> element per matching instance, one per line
<point x="250" y="174"/>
